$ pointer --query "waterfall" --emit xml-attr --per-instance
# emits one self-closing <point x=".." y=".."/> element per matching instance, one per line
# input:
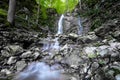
<point x="60" y="31"/>
<point x="48" y="45"/>
<point x="40" y="70"/>
<point x="60" y="26"/>
<point x="80" y="27"/>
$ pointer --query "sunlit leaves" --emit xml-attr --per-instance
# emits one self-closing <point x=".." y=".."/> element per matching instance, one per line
<point x="61" y="6"/>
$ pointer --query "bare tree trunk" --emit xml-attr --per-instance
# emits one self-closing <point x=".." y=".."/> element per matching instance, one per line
<point x="11" y="11"/>
<point x="38" y="13"/>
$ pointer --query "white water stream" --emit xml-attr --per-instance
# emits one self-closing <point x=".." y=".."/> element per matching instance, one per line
<point x="80" y="27"/>
<point x="60" y="26"/>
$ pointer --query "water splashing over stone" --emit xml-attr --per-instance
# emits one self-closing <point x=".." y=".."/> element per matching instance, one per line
<point x="39" y="71"/>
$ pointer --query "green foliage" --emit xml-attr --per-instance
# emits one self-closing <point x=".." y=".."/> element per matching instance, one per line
<point x="3" y="12"/>
<point x="61" y="6"/>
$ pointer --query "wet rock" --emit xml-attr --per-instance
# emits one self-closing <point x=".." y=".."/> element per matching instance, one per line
<point x="58" y="58"/>
<point x="11" y="60"/>
<point x="36" y="55"/>
<point x="26" y="54"/>
<point x="103" y="50"/>
<point x="11" y="50"/>
<point x="73" y="60"/>
<point x="6" y="71"/>
<point x="95" y="65"/>
<point x="89" y="50"/>
<point x="73" y="35"/>
<point x="117" y="35"/>
<point x="73" y="78"/>
<point x="20" y="65"/>
<point x="115" y="45"/>
<point x="91" y="37"/>
<point x="64" y="47"/>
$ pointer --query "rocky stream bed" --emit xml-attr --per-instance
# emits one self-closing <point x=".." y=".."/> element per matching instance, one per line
<point x="94" y="56"/>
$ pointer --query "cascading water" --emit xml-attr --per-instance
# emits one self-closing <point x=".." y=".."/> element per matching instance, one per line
<point x="60" y="31"/>
<point x="60" y="26"/>
<point x="80" y="27"/>
<point x="55" y="45"/>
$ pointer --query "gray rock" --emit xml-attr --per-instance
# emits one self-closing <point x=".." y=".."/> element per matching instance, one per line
<point x="89" y="50"/>
<point x="117" y="35"/>
<point x="115" y="45"/>
<point x="20" y="65"/>
<point x="91" y="37"/>
<point x="64" y="47"/>
<point x="11" y="50"/>
<point x="36" y="55"/>
<point x="11" y="60"/>
<point x="26" y="54"/>
<point x="73" y="35"/>
<point x="95" y="65"/>
<point x="73" y="60"/>
<point x="103" y="50"/>
<point x="6" y="71"/>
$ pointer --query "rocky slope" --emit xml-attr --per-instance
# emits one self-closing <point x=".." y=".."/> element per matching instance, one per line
<point x="94" y="56"/>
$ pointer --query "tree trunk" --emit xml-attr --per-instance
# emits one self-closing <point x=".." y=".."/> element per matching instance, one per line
<point x="11" y="11"/>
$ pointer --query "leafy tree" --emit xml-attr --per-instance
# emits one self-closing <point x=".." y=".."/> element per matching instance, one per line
<point x="61" y="6"/>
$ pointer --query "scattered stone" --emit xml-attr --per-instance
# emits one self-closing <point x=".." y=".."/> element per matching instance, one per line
<point x="36" y="55"/>
<point x="11" y="60"/>
<point x="11" y="50"/>
<point x="73" y="60"/>
<point x="103" y="50"/>
<point x="89" y="50"/>
<point x="117" y="35"/>
<point x="73" y="35"/>
<point x="26" y="54"/>
<point x="6" y="71"/>
<point x="20" y="65"/>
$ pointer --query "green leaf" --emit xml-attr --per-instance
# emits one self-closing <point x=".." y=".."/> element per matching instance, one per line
<point x="61" y="6"/>
<point x="3" y="12"/>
